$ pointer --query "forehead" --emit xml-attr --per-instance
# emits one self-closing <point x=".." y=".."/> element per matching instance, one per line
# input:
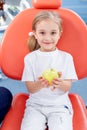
<point x="47" y="24"/>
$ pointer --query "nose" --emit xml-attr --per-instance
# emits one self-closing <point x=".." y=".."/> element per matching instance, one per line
<point x="47" y="37"/>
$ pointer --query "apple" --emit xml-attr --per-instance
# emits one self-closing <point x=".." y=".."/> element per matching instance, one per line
<point x="50" y="74"/>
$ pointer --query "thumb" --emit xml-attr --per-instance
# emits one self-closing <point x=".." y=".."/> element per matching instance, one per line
<point x="60" y="74"/>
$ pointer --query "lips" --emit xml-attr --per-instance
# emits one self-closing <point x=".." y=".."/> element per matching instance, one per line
<point x="47" y="42"/>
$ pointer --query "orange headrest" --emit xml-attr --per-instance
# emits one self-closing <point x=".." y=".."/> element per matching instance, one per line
<point x="49" y="4"/>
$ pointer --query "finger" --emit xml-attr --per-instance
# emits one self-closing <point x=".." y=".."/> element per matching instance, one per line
<point x="60" y="74"/>
<point x="39" y="78"/>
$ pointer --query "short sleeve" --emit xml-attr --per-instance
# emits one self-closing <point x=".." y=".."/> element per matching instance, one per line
<point x="27" y="72"/>
<point x="70" y="72"/>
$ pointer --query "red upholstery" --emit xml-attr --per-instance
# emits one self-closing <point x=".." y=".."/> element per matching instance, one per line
<point x="14" y="48"/>
<point x="73" y="40"/>
<point x="40" y="4"/>
<point x="80" y="112"/>
<point x="14" y="116"/>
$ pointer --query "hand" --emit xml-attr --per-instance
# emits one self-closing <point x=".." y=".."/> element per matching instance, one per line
<point x="43" y="82"/>
<point x="56" y="83"/>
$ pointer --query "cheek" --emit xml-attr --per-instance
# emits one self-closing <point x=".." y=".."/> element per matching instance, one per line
<point x="57" y="38"/>
<point x="39" y="41"/>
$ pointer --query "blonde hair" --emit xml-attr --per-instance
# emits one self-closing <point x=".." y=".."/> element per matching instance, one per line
<point x="43" y="15"/>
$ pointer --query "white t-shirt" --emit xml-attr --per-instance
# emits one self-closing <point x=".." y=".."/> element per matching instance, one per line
<point x="36" y="62"/>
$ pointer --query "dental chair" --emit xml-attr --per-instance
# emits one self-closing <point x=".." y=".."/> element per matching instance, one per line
<point x="14" y="48"/>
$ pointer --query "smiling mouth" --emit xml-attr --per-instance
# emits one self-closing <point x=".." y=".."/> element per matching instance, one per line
<point x="47" y="43"/>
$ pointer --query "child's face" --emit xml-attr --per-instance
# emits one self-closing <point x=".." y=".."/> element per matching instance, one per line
<point x="47" y="34"/>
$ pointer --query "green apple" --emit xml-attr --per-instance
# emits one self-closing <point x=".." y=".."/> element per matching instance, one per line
<point x="50" y="74"/>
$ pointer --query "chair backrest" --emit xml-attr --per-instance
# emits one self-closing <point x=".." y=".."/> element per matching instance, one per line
<point x="14" y="41"/>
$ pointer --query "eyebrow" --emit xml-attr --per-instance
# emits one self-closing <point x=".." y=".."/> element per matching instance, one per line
<point x="44" y="30"/>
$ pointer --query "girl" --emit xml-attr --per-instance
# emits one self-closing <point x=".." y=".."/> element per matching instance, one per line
<point x="48" y="104"/>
